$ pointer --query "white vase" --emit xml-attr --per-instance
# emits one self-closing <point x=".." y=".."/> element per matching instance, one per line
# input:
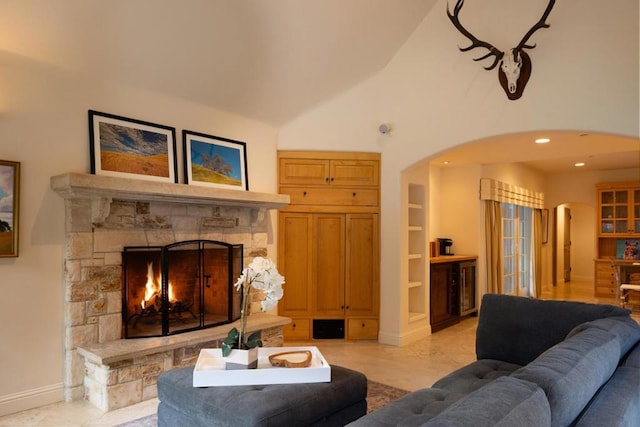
<point x="242" y="359"/>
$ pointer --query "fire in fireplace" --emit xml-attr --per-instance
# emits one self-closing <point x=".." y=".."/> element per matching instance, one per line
<point x="180" y="287"/>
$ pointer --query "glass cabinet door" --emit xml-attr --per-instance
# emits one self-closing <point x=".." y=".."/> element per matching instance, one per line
<point x="614" y="211"/>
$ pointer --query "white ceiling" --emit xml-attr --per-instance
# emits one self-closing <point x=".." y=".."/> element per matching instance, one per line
<point x="596" y="151"/>
<point x="269" y="60"/>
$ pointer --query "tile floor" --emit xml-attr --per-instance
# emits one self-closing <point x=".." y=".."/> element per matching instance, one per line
<point x="411" y="367"/>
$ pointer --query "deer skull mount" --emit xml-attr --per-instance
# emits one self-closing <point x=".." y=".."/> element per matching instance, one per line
<point x="515" y="65"/>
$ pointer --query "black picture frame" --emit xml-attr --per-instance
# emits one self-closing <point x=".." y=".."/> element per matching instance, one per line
<point x="213" y="161"/>
<point x="9" y="208"/>
<point x="131" y="148"/>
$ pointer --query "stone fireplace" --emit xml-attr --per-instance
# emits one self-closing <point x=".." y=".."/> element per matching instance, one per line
<point x="103" y="215"/>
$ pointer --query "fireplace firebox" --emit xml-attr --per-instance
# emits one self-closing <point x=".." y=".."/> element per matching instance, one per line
<point x="179" y="287"/>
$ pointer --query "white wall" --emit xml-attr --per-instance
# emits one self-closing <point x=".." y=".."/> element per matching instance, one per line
<point x="585" y="77"/>
<point x="44" y="125"/>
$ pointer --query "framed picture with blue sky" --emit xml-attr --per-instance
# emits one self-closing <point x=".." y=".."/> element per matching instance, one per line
<point x="132" y="148"/>
<point x="213" y="161"/>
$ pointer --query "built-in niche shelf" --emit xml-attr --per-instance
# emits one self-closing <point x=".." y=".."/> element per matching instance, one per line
<point x="416" y="257"/>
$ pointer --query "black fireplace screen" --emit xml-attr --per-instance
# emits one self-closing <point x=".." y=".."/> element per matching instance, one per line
<point x="180" y="287"/>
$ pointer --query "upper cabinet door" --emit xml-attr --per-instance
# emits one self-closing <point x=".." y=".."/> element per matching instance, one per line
<point x="354" y="173"/>
<point x="619" y="211"/>
<point x="304" y="171"/>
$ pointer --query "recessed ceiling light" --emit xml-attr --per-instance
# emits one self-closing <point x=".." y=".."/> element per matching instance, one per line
<point x="579" y="164"/>
<point x="542" y="140"/>
<point x="446" y="162"/>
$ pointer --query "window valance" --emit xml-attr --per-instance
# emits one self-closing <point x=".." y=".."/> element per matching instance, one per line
<point x="491" y="189"/>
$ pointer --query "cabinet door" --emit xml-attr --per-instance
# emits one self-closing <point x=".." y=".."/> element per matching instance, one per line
<point x="362" y="265"/>
<point x="294" y="262"/>
<point x="614" y="211"/>
<point x="354" y="173"/>
<point x="443" y="304"/>
<point x="304" y="171"/>
<point x="328" y="265"/>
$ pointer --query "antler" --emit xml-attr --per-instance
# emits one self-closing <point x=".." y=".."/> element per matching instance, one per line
<point x="540" y="24"/>
<point x="474" y="41"/>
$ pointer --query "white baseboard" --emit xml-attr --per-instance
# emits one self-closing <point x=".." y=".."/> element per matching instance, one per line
<point x="401" y="340"/>
<point x="34" y="398"/>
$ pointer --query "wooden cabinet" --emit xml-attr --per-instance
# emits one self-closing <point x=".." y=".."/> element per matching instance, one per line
<point x="618" y="210"/>
<point x="328" y="242"/>
<point x="452" y="290"/>
<point x="605" y="279"/>
<point x="304" y="168"/>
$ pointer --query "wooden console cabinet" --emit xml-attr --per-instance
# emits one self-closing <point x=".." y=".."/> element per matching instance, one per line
<point x="452" y="290"/>
<point x="328" y="242"/>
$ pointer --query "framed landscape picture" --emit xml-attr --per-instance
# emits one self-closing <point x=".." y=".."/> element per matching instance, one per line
<point x="214" y="162"/>
<point x="9" y="207"/>
<point x="132" y="148"/>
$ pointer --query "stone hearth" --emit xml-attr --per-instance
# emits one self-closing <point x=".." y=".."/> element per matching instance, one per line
<point x="103" y="215"/>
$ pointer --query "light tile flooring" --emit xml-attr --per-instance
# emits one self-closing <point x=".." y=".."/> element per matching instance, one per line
<point x="411" y="367"/>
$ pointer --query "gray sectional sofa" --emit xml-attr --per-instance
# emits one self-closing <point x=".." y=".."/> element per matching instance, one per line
<point x="539" y="363"/>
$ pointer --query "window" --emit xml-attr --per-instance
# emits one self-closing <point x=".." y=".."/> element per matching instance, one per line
<point x="517" y="238"/>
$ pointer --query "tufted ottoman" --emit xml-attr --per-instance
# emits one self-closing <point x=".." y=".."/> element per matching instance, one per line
<point x="314" y="404"/>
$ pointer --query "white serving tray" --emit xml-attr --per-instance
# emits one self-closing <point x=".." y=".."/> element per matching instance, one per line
<point x="210" y="371"/>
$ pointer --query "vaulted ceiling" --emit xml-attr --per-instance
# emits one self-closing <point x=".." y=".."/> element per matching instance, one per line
<point x="268" y="60"/>
<point x="264" y="59"/>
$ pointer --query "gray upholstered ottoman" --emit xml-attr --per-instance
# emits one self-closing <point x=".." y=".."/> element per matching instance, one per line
<point x="314" y="404"/>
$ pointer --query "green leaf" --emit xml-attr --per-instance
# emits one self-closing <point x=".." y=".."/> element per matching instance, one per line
<point x="230" y="342"/>
<point x="254" y="340"/>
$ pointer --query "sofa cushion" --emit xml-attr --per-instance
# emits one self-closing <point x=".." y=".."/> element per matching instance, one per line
<point x="625" y="328"/>
<point x="413" y="409"/>
<point x="572" y="371"/>
<point x="519" y="329"/>
<point x="505" y="402"/>
<point x="475" y="375"/>
<point x="632" y="358"/>
<point x="617" y="403"/>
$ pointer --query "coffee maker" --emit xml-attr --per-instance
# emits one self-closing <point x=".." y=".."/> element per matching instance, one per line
<point x="445" y="246"/>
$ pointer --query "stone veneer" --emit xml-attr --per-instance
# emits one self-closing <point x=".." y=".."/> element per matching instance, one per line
<point x="102" y="216"/>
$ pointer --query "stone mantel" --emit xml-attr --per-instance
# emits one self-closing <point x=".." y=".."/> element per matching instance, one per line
<point x="100" y="187"/>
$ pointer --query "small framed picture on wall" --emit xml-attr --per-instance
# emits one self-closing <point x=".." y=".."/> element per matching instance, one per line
<point x="213" y="161"/>
<point x="132" y="148"/>
<point x="9" y="208"/>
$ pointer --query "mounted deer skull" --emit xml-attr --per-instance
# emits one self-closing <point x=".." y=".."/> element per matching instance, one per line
<point x="515" y="67"/>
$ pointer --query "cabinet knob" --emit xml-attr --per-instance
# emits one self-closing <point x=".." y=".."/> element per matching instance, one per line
<point x="293" y="325"/>
<point x="304" y="193"/>
<point x="326" y="179"/>
<point x="331" y="179"/>
<point x="354" y="194"/>
<point x="363" y="325"/>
